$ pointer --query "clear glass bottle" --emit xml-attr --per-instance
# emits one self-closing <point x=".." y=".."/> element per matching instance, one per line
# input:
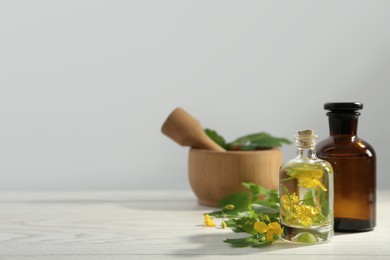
<point x="306" y="194"/>
<point x="354" y="164"/>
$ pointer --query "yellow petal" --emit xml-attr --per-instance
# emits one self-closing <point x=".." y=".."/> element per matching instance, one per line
<point x="275" y="228"/>
<point x="285" y="200"/>
<point x="296" y="211"/>
<point x="306" y="173"/>
<point x="269" y="237"/>
<point x="307" y="182"/>
<point x="306" y="221"/>
<point x="322" y="186"/>
<point x="294" y="198"/>
<point x="316" y="211"/>
<point x="260" y="227"/>
<point x="316" y="173"/>
<point x="309" y="211"/>
<point x="208" y="221"/>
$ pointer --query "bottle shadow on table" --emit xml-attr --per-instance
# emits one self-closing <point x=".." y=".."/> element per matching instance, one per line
<point x="344" y="233"/>
<point x="212" y="244"/>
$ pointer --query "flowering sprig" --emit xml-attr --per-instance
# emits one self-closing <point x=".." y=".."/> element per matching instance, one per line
<point x="269" y="230"/>
<point x="297" y="213"/>
<point x="312" y="209"/>
<point x="255" y="212"/>
<point x="208" y="221"/>
<point x="308" y="177"/>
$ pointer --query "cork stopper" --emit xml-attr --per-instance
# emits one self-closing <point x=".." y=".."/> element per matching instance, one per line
<point x="306" y="138"/>
<point x="305" y="133"/>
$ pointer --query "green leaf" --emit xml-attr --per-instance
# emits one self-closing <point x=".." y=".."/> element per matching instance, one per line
<point x="219" y="214"/>
<point x="249" y="207"/>
<point x="240" y="242"/>
<point x="246" y="242"/>
<point x="245" y="224"/>
<point x="324" y="203"/>
<point x="247" y="139"/>
<point x="263" y="196"/>
<point x="261" y="209"/>
<point x="215" y="137"/>
<point x="245" y="214"/>
<point x="270" y="142"/>
<point x="268" y="203"/>
<point x="240" y="200"/>
<point x="234" y="147"/>
<point x="258" y="141"/>
<point x="254" y="188"/>
<point x="273" y="196"/>
<point x="230" y="223"/>
<point x="309" y="199"/>
<point x="258" y="243"/>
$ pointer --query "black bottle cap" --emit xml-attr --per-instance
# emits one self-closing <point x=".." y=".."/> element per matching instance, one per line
<point x="343" y="106"/>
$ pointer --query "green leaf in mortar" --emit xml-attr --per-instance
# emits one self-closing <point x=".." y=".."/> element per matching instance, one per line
<point x="247" y="139"/>
<point x="215" y="137"/>
<point x="249" y="142"/>
<point x="259" y="140"/>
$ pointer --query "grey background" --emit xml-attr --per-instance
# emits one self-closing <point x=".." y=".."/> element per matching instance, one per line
<point x="86" y="85"/>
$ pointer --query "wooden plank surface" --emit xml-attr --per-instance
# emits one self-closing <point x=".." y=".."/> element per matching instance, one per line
<point x="149" y="225"/>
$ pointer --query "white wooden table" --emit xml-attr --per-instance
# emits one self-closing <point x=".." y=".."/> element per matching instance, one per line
<point x="150" y="225"/>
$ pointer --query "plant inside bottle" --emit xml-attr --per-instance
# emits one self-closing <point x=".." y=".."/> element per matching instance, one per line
<point x="306" y="194"/>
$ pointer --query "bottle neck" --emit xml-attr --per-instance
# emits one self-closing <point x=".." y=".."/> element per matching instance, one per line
<point x="343" y="124"/>
<point x="306" y="152"/>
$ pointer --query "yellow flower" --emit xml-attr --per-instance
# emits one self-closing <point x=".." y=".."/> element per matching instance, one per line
<point x="288" y="201"/>
<point x="304" y="214"/>
<point x="308" y="177"/>
<point x="309" y="210"/>
<point x="285" y="201"/>
<point x="307" y="214"/>
<point x="306" y="221"/>
<point x="306" y="173"/>
<point x="311" y="183"/>
<point x="298" y="214"/>
<point x="270" y="230"/>
<point x="208" y="221"/>
<point x="294" y="198"/>
<point x="296" y="210"/>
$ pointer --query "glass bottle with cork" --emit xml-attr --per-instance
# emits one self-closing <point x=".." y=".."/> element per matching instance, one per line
<point x="306" y="194"/>
<point x="354" y="164"/>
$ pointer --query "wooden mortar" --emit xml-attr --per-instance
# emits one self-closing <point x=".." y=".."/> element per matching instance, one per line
<point x="214" y="175"/>
<point x="213" y="172"/>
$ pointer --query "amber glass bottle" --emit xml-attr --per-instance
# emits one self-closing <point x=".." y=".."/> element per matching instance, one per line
<point x="354" y="163"/>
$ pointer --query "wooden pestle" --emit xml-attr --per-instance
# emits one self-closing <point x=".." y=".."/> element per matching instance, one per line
<point x="185" y="130"/>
